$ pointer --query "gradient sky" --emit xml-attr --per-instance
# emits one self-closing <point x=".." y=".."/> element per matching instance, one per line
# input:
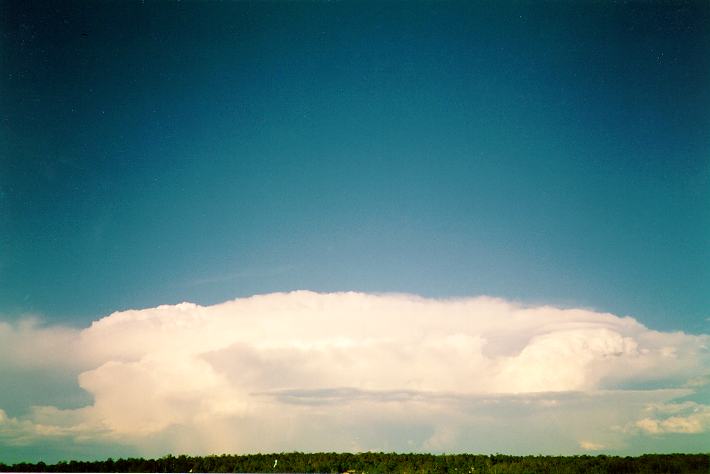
<point x="541" y="153"/>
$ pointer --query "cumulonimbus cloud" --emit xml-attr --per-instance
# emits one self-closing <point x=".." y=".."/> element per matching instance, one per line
<point x="292" y="370"/>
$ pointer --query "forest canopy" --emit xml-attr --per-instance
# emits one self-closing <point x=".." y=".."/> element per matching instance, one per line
<point x="384" y="463"/>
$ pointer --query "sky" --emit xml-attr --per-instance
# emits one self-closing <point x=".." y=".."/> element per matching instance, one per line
<point x="439" y="227"/>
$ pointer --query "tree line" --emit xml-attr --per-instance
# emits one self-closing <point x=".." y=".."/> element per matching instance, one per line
<point x="372" y="463"/>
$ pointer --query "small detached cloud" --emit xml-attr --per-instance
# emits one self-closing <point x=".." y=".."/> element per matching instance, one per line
<point x="687" y="417"/>
<point x="591" y="446"/>
<point x="352" y="371"/>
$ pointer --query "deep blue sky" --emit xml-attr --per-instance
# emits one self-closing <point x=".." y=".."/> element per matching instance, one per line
<point x="548" y="153"/>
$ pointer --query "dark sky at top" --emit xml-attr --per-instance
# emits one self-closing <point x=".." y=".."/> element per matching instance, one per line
<point x="545" y="152"/>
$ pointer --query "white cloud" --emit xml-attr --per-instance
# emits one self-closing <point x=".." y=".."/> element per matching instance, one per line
<point x="27" y="344"/>
<point x="350" y="371"/>
<point x="687" y="417"/>
<point x="591" y="446"/>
